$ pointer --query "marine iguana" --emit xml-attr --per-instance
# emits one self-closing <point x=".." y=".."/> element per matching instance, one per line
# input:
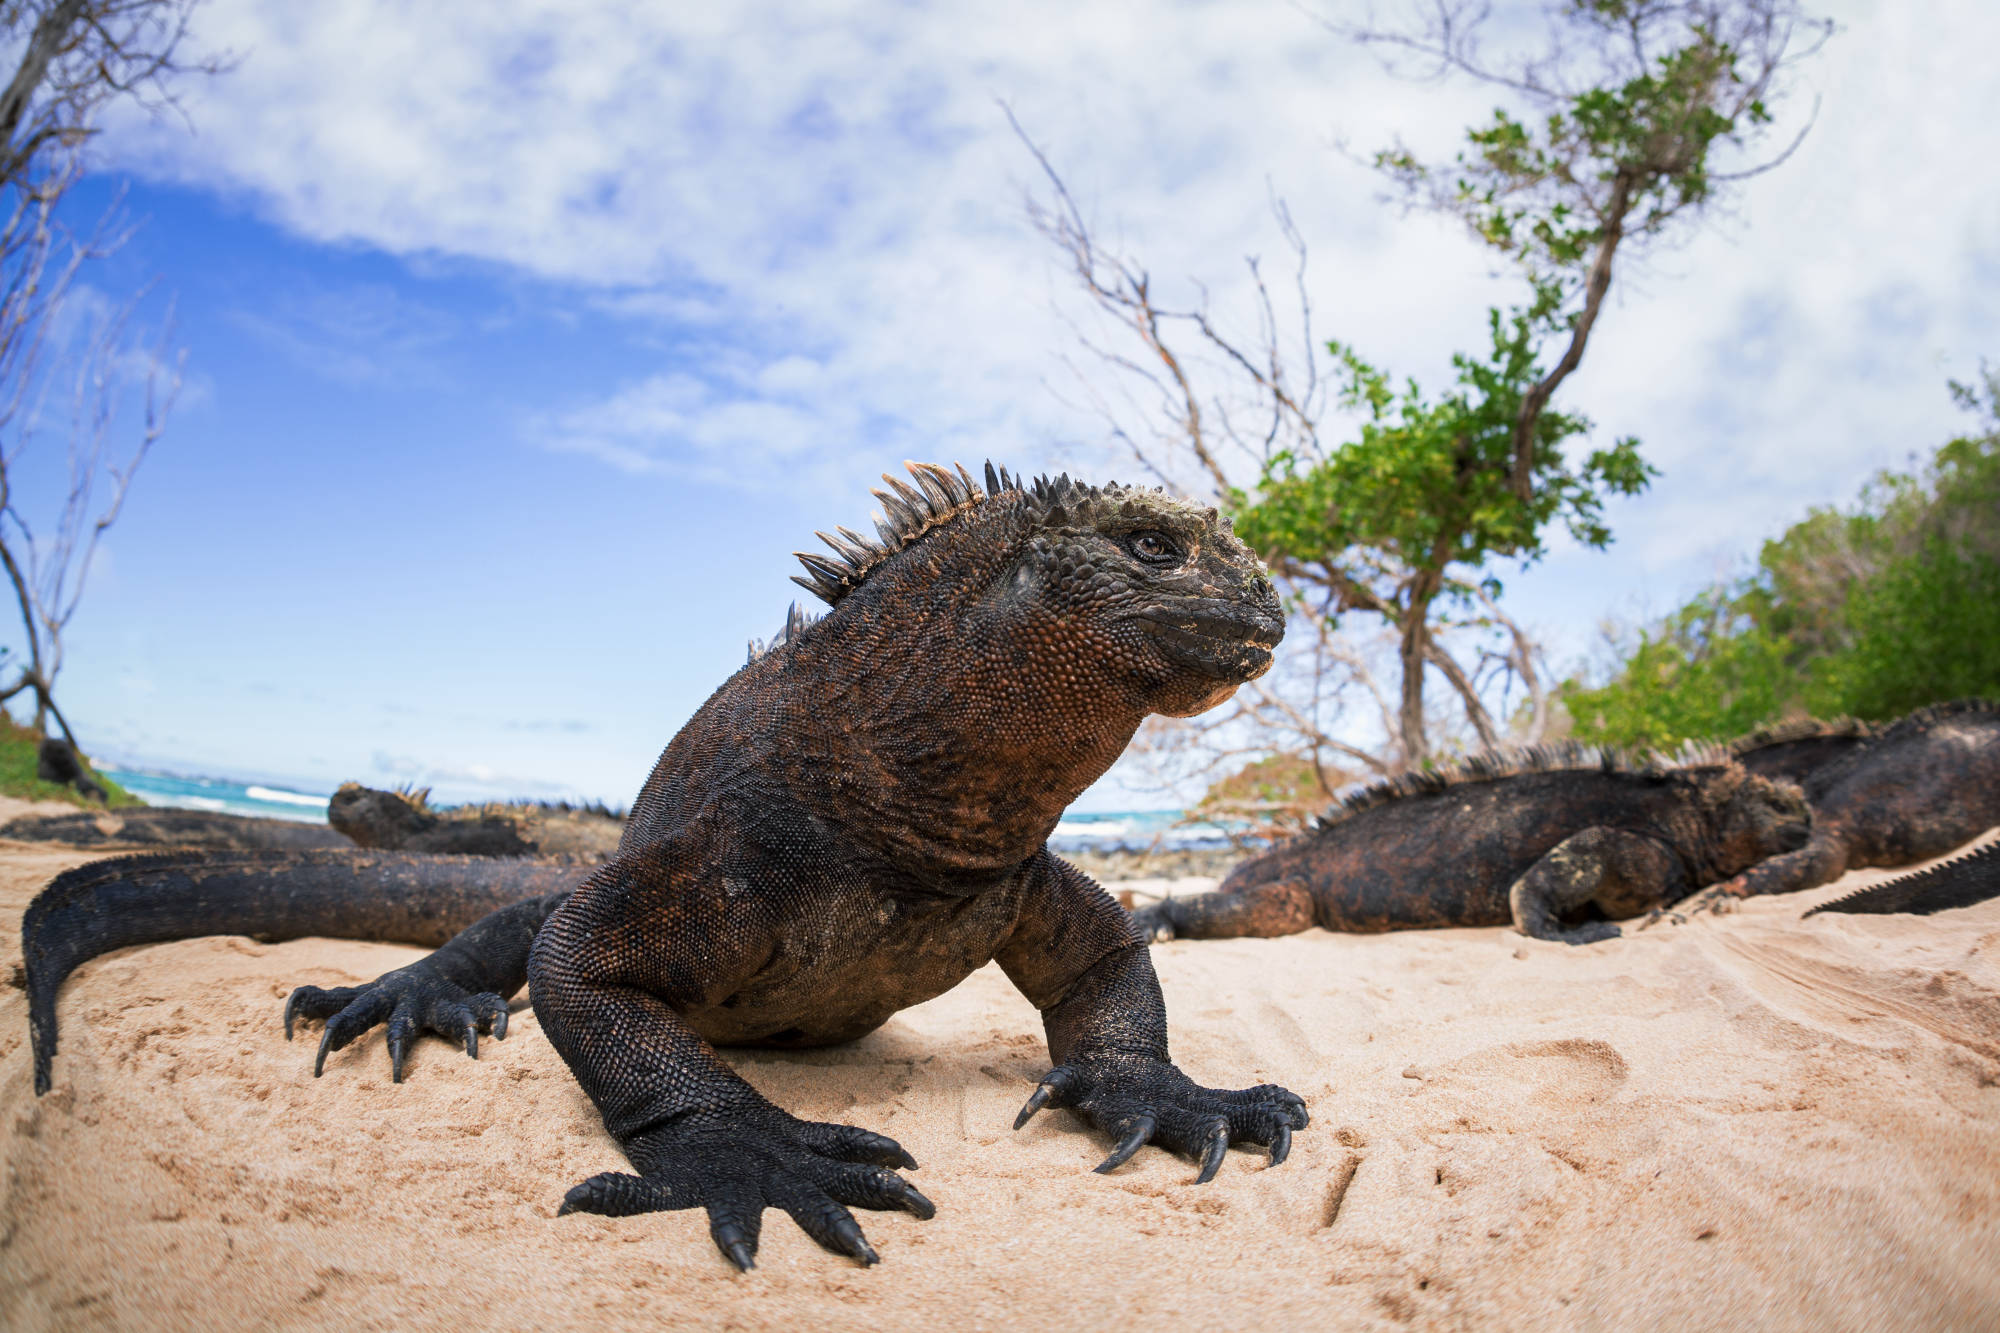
<point x="1926" y="784"/>
<point x="852" y="824"/>
<point x="406" y="822"/>
<point x="166" y="826"/>
<point x="1959" y="882"/>
<point x="1535" y="838"/>
<point x="57" y="761"/>
<point x="1794" y="751"/>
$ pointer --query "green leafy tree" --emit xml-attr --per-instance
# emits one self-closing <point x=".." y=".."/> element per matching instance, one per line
<point x="1610" y="146"/>
<point x="1608" y="141"/>
<point x="1870" y="611"/>
<point x="1405" y="521"/>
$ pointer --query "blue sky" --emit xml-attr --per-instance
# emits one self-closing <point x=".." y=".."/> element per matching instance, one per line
<point x="527" y="341"/>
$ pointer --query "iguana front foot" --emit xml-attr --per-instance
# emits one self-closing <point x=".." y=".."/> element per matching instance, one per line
<point x="738" y="1166"/>
<point x="1720" y="899"/>
<point x="413" y="1000"/>
<point x="1140" y="1100"/>
<point x="1659" y="914"/>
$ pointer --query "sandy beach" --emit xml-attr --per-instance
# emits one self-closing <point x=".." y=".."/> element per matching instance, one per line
<point x="1746" y="1121"/>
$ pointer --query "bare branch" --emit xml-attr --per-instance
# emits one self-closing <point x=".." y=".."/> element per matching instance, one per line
<point x="75" y="56"/>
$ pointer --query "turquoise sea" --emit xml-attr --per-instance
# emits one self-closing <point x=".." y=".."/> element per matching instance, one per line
<point x="1136" y="829"/>
<point x="235" y="798"/>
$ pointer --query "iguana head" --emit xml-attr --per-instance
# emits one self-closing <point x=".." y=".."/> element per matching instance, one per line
<point x="1114" y="583"/>
<point x="1753" y="817"/>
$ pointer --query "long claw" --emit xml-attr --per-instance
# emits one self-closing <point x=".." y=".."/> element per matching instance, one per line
<point x="908" y="1162"/>
<point x="1281" y="1145"/>
<point x="472" y="1039"/>
<point x="855" y="1243"/>
<point x="916" y="1203"/>
<point x="396" y="1052"/>
<point x="291" y="1008"/>
<point x="1218" y="1147"/>
<point x="500" y="1024"/>
<point x="1052" y="1082"/>
<point x="325" y="1045"/>
<point x="733" y="1243"/>
<point x="1135" y="1139"/>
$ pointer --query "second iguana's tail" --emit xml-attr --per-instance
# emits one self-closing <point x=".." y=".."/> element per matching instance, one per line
<point x="1959" y="882"/>
<point x="393" y="897"/>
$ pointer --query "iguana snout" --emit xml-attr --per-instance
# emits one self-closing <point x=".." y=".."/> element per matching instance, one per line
<point x="1227" y="640"/>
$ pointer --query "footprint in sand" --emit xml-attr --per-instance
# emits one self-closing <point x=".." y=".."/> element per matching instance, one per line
<point x="1572" y="1071"/>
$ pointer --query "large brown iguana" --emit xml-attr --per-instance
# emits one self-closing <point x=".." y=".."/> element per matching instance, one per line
<point x="1556" y="840"/>
<point x="851" y="825"/>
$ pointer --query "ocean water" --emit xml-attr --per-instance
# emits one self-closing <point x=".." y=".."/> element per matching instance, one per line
<point x="1133" y="829"/>
<point x="221" y="794"/>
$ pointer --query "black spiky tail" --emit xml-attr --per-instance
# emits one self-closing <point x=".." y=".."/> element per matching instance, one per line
<point x="392" y="897"/>
<point x="1959" y="882"/>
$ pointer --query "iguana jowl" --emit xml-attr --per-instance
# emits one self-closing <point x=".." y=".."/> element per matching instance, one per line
<point x="851" y="825"/>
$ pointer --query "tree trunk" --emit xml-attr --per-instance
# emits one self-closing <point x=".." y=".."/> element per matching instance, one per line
<point x="1413" y="651"/>
<point x="1410" y="719"/>
<point x="1594" y="289"/>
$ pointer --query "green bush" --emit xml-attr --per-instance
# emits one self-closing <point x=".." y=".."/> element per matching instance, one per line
<point x="1870" y="611"/>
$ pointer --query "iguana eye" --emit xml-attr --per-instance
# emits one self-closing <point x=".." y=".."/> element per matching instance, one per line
<point x="1155" y="548"/>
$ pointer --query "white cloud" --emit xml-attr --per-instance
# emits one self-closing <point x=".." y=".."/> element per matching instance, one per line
<point x="820" y="206"/>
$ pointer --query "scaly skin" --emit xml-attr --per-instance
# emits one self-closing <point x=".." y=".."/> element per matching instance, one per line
<point x="1799" y="751"/>
<point x="1536" y="840"/>
<point x="1918" y="789"/>
<point x="1959" y="882"/>
<point x="854" y="823"/>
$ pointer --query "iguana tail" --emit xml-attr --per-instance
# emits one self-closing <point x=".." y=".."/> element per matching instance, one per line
<point x="1959" y="882"/>
<point x="394" y="897"/>
<point x="164" y="826"/>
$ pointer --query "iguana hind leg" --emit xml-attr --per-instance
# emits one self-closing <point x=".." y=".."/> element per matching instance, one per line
<point x="1620" y="873"/>
<point x="456" y="993"/>
<point x="411" y="1001"/>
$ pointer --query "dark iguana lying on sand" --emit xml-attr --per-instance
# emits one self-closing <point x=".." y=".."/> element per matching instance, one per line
<point x="1919" y="788"/>
<point x="406" y="822"/>
<point x="1959" y="882"/>
<point x="164" y="826"/>
<point x="852" y="824"/>
<point x="1795" y="750"/>
<point x="1542" y="838"/>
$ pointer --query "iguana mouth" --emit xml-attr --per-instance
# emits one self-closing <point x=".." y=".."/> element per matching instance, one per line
<point x="1222" y="639"/>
